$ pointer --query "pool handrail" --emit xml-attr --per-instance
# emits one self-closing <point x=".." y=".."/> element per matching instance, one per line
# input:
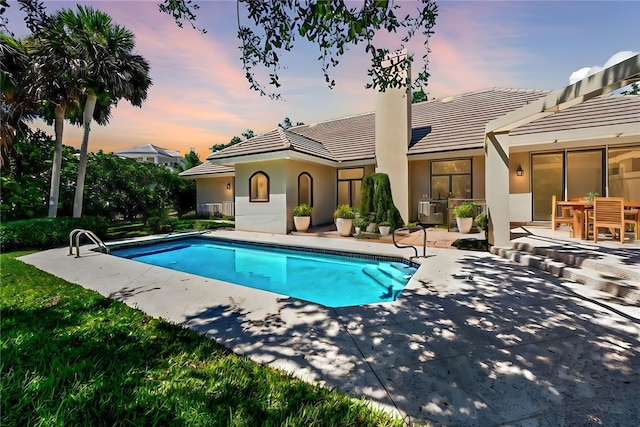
<point x="74" y="237"/>
<point x="411" y="230"/>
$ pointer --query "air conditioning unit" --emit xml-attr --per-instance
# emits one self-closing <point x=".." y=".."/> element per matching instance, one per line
<point x="428" y="213"/>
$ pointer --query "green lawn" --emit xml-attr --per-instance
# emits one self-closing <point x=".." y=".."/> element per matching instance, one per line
<point x="71" y="357"/>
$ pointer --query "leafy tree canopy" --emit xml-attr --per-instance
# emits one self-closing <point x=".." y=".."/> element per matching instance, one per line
<point x="268" y="29"/>
<point x="271" y="28"/>
<point x="286" y="123"/>
<point x="235" y="140"/>
<point x="191" y="159"/>
<point x="634" y="90"/>
<point x="418" y="96"/>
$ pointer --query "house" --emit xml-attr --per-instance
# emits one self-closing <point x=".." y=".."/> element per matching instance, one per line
<point x="492" y="144"/>
<point x="152" y="154"/>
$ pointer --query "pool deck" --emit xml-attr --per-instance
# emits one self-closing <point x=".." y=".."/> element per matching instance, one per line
<point x="473" y="340"/>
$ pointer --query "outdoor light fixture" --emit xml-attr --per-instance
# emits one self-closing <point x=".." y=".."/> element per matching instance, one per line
<point x="228" y="186"/>
<point x="520" y="171"/>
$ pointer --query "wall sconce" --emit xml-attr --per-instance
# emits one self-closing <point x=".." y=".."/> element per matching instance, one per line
<point x="520" y="171"/>
<point x="228" y="186"/>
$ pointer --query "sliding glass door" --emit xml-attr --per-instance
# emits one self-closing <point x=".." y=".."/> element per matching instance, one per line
<point x="547" y="180"/>
<point x="585" y="173"/>
<point x="577" y="172"/>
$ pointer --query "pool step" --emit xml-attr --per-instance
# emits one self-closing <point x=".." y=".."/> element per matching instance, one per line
<point x="404" y="268"/>
<point x="392" y="287"/>
<point x="389" y="275"/>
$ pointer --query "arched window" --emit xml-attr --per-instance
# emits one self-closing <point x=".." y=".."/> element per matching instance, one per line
<point x="259" y="187"/>
<point x="305" y="189"/>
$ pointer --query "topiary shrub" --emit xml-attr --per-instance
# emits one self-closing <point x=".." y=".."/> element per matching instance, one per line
<point x="375" y="196"/>
<point x="46" y="233"/>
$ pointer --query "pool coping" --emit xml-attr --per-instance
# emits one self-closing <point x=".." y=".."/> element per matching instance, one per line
<point x="309" y="249"/>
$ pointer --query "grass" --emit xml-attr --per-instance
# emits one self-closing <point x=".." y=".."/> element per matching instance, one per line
<point x="73" y="357"/>
<point x="124" y="229"/>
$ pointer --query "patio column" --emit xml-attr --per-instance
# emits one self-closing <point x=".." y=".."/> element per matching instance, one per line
<point x="497" y="189"/>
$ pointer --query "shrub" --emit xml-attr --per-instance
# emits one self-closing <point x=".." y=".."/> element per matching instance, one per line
<point x="361" y="222"/>
<point x="375" y="196"/>
<point x="482" y="221"/>
<point x="385" y="224"/>
<point x="46" y="233"/>
<point x="302" y="210"/>
<point x="158" y="224"/>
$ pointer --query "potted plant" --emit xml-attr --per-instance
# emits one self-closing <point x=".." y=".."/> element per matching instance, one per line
<point x="464" y="213"/>
<point x="384" y="228"/>
<point x="591" y="195"/>
<point x="344" y="216"/>
<point x="302" y="216"/>
<point x="360" y="224"/>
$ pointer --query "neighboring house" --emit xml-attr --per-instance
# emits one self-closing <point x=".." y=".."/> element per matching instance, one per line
<point x="153" y="154"/>
<point x="436" y="150"/>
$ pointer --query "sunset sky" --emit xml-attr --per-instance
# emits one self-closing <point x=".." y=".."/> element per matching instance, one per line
<point x="200" y="97"/>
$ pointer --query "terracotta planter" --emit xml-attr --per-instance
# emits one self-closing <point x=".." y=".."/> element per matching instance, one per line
<point x="301" y="222"/>
<point x="464" y="225"/>
<point x="344" y="226"/>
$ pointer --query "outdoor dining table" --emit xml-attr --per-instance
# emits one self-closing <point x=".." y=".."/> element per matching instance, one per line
<point x="580" y="211"/>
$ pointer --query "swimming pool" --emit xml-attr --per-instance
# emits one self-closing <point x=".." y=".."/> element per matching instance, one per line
<point x="325" y="278"/>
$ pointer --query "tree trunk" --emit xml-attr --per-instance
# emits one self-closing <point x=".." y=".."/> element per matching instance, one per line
<point x="54" y="191"/>
<point x="89" y="107"/>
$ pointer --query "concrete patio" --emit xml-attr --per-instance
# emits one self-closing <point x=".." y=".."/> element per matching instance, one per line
<point x="473" y="340"/>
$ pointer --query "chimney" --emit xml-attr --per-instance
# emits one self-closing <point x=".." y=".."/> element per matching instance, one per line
<point x="393" y="135"/>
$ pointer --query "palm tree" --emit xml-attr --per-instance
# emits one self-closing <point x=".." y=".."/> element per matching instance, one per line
<point x="57" y="87"/>
<point x="108" y="71"/>
<point x="17" y="105"/>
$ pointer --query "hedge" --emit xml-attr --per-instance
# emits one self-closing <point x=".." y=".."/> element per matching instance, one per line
<point x="45" y="233"/>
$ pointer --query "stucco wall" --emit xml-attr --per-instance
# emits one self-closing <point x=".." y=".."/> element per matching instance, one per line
<point x="324" y="191"/>
<point x="209" y="190"/>
<point x="519" y="184"/>
<point x="271" y="216"/>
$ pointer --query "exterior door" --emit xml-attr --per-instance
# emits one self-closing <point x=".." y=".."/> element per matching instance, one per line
<point x="546" y="180"/>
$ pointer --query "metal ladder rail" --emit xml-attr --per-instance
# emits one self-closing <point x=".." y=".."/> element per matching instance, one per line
<point x="412" y="229"/>
<point x="79" y="232"/>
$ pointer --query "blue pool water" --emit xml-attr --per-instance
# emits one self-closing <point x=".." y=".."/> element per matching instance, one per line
<point x="330" y="280"/>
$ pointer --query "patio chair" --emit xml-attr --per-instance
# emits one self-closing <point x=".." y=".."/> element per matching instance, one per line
<point x="565" y="217"/>
<point x="608" y="212"/>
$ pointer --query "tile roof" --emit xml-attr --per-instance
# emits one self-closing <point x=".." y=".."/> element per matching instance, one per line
<point x="605" y="110"/>
<point x="342" y="139"/>
<point x="458" y="122"/>
<point x="207" y="168"/>
<point x="147" y="149"/>
<point x="348" y="138"/>
<point x="439" y="125"/>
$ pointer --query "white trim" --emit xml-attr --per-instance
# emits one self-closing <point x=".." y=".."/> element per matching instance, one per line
<point x="440" y="155"/>
<point x="273" y="155"/>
